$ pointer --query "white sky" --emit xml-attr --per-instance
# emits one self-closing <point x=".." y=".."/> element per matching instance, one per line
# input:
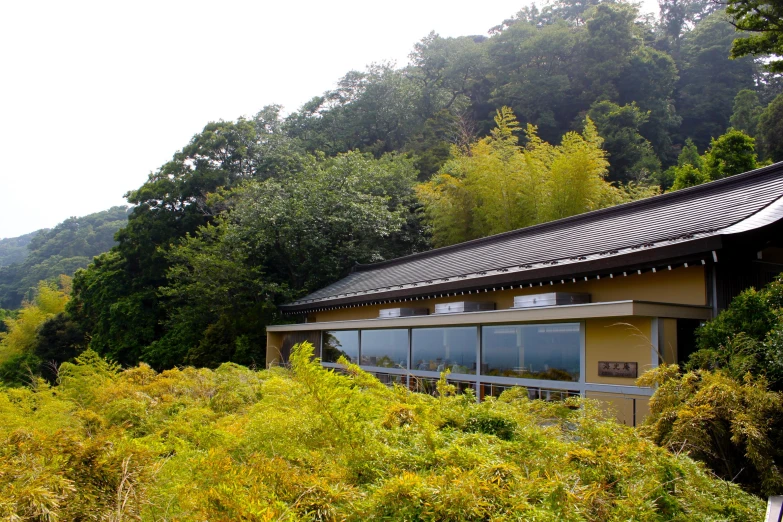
<point x="95" y="95"/>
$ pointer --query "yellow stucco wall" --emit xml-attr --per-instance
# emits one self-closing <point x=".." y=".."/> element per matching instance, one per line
<point x="679" y="285"/>
<point x="274" y="342"/>
<point x="625" y="339"/>
<point x="629" y="410"/>
<point x="669" y="340"/>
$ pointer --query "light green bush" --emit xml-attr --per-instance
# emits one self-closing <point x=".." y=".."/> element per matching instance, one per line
<point x="311" y="444"/>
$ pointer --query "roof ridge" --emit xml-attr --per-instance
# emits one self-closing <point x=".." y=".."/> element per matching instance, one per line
<point x="586" y="216"/>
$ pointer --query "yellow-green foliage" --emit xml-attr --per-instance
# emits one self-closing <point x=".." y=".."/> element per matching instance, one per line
<point x="497" y="186"/>
<point x="311" y="444"/>
<point x="50" y="300"/>
<point x="735" y="427"/>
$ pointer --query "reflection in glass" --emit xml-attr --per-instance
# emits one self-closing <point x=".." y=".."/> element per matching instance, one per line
<point x="341" y="343"/>
<point x="429" y="385"/>
<point x="291" y="339"/>
<point x="440" y="349"/>
<point x="390" y="379"/>
<point x="496" y="390"/>
<point x="386" y="348"/>
<point x="536" y="351"/>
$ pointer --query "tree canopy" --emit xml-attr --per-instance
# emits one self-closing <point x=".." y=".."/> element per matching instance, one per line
<point x="60" y="250"/>
<point x="762" y="20"/>
<point x="770" y="127"/>
<point x="13" y="250"/>
<point x="494" y="185"/>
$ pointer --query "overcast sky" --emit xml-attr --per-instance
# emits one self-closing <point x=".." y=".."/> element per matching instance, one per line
<point x="95" y="95"/>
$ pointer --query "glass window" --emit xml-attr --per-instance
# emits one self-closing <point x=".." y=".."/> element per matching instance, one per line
<point x="440" y="349"/>
<point x="390" y="379"/>
<point x="532" y="351"/>
<point x="429" y="385"/>
<point x="495" y="390"/>
<point x="386" y="348"/>
<point x="291" y="339"/>
<point x="341" y="343"/>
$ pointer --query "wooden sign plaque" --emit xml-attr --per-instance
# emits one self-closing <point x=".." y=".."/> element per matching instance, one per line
<point x="617" y="369"/>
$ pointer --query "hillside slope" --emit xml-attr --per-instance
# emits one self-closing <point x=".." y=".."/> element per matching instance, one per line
<point x="14" y="249"/>
<point x="60" y="250"/>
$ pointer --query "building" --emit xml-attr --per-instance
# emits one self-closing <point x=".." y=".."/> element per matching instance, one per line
<point x="582" y="305"/>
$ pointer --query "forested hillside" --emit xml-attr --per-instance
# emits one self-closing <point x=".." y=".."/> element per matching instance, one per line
<point x="561" y="109"/>
<point x="14" y="249"/>
<point x="61" y="250"/>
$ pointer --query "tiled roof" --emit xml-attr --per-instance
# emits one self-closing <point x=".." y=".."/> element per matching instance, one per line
<point x="726" y="206"/>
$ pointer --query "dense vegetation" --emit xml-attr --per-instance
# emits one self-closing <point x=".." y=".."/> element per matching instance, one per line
<point x="311" y="444"/>
<point x="67" y="247"/>
<point x="561" y="110"/>
<point x="14" y="249"/>
<point x="726" y="408"/>
<point x="746" y="338"/>
<point x="32" y="340"/>
<point x="493" y="185"/>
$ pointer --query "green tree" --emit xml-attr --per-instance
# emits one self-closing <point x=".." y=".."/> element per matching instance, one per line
<point x="747" y="111"/>
<point x="13" y="250"/>
<point x="278" y="239"/>
<point x="688" y="176"/>
<point x="377" y="110"/>
<point x="649" y="81"/>
<point x="746" y="337"/>
<point x="432" y="147"/>
<point x="732" y="153"/>
<point x="119" y="312"/>
<point x="18" y="343"/>
<point x="770" y="129"/>
<point x="690" y="156"/>
<point x="574" y="12"/>
<point x="677" y="17"/>
<point x="763" y="20"/>
<point x="689" y="170"/>
<point x="708" y="81"/>
<point x="606" y="49"/>
<point x="451" y="72"/>
<point x="116" y="300"/>
<point x="631" y="156"/>
<point x="551" y="66"/>
<point x="61" y="250"/>
<point x="535" y="69"/>
<point x="59" y="339"/>
<point x="5" y="315"/>
<point x="496" y="185"/>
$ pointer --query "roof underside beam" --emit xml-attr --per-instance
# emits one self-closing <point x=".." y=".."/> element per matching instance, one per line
<point x="549" y="313"/>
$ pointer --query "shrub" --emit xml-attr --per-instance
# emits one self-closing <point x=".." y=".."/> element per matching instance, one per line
<point x="746" y="337"/>
<point x="307" y="443"/>
<point x="735" y="427"/>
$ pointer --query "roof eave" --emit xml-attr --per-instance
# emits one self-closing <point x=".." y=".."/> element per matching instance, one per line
<point x="634" y="260"/>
